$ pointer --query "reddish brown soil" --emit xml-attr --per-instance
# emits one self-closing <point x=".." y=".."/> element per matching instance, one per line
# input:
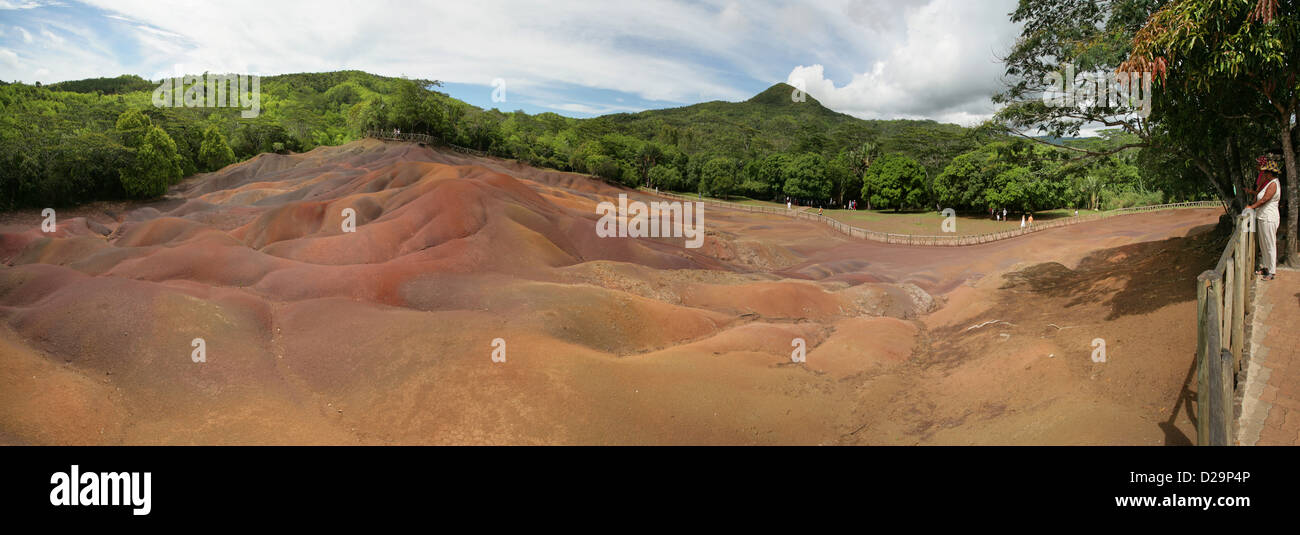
<point x="384" y="336"/>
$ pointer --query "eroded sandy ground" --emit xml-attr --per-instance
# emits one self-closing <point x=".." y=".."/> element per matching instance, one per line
<point x="383" y="336"/>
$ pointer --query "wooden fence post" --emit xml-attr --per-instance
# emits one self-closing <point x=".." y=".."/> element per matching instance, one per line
<point x="1240" y="285"/>
<point x="1227" y="300"/>
<point x="1202" y="364"/>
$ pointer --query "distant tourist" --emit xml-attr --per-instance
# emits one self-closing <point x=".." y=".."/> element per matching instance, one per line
<point x="1004" y="214"/>
<point x="1022" y="220"/>
<point x="1266" y="190"/>
<point x="1031" y="219"/>
<point x="787" y="205"/>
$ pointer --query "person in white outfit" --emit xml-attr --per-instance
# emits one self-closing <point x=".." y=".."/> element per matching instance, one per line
<point x="1267" y="216"/>
<point x="1022" y="220"/>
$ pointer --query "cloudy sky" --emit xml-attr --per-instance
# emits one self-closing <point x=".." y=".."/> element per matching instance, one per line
<point x="934" y="59"/>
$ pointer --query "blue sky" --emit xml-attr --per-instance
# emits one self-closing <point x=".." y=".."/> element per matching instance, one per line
<point x="934" y="59"/>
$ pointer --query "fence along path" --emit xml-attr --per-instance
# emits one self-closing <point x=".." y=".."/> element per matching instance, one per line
<point x="1221" y="310"/>
<point x="426" y="139"/>
<point x="914" y="239"/>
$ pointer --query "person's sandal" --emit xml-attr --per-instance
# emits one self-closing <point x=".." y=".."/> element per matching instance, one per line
<point x="1268" y="277"/>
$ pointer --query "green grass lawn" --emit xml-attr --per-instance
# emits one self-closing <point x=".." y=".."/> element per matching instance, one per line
<point x="926" y="223"/>
<point x="930" y="223"/>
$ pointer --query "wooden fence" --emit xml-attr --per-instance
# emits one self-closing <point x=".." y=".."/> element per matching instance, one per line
<point x="393" y="135"/>
<point x="1222" y="302"/>
<point x="940" y="240"/>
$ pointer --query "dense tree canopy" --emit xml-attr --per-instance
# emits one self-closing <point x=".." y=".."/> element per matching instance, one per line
<point x="719" y="176"/>
<point x="1228" y="79"/>
<point x="155" y="165"/>
<point x="768" y="147"/>
<point x="805" y="178"/>
<point x="895" y="181"/>
<point x="215" y="153"/>
<point x="1224" y="89"/>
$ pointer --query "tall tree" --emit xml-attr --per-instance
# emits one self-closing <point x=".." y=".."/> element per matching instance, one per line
<point x="155" y="166"/>
<point x="215" y="153"/>
<point x="1243" y="55"/>
<point x="805" y="178"/>
<point x="843" y="180"/>
<point x="895" y="181"/>
<point x="648" y="155"/>
<point x="720" y="175"/>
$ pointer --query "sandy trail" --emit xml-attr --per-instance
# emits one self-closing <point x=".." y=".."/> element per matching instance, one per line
<point x="384" y="336"/>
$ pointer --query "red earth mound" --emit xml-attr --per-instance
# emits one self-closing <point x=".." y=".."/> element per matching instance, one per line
<point x="317" y="335"/>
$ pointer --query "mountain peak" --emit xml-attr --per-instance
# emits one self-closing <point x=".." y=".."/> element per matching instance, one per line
<point x="782" y="94"/>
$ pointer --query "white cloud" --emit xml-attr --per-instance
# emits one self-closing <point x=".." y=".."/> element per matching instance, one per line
<point x="59" y="48"/>
<point x="893" y="58"/>
<point x="588" y="109"/>
<point x="10" y="5"/>
<point x="945" y="68"/>
<point x="658" y="50"/>
<point x="598" y="45"/>
<point x="9" y="58"/>
<point x="52" y="37"/>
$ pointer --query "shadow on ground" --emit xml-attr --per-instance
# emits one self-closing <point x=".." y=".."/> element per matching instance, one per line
<point x="1186" y="400"/>
<point x="1131" y="279"/>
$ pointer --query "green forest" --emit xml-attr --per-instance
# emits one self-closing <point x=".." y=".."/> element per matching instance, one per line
<point x="85" y="140"/>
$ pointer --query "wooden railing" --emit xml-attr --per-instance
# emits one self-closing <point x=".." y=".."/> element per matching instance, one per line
<point x="1222" y="302"/>
<point x="939" y="240"/>
<point x="393" y="135"/>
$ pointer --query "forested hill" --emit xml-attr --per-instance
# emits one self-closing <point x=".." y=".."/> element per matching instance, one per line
<point x="773" y="121"/>
<point x="102" y="138"/>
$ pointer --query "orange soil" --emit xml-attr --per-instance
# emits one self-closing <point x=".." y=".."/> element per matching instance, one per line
<point x="384" y="336"/>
